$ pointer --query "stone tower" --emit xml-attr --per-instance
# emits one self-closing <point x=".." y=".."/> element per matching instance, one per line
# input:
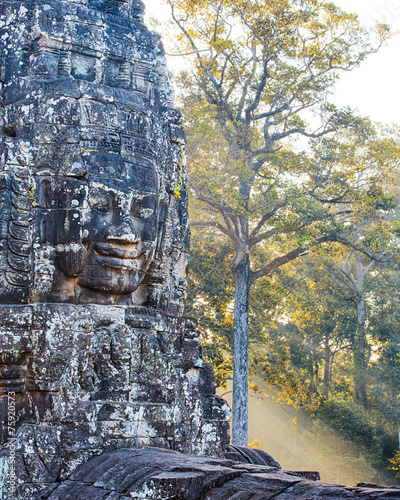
<point x="94" y="353"/>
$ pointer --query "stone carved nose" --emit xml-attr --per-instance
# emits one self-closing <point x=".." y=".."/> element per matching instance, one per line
<point x="124" y="232"/>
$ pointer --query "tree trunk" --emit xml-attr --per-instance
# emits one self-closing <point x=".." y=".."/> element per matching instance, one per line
<point x="398" y="432"/>
<point x="311" y="374"/>
<point x="327" y="362"/>
<point x="359" y="353"/>
<point x="241" y="354"/>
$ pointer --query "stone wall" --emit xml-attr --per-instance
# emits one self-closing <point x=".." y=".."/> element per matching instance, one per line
<point x="85" y="383"/>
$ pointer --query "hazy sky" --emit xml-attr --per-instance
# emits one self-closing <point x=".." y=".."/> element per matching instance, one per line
<point x="374" y="87"/>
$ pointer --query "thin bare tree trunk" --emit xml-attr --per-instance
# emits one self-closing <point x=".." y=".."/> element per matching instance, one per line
<point x="398" y="431"/>
<point x="359" y="345"/>
<point x="311" y="374"/>
<point x="327" y="360"/>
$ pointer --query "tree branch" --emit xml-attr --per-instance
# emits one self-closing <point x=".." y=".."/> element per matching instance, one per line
<point x="261" y="237"/>
<point x="205" y="68"/>
<point x="212" y="224"/>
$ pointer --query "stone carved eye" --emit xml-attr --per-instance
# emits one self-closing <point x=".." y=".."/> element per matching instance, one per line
<point x="101" y="210"/>
<point x="143" y="208"/>
<point x="100" y="200"/>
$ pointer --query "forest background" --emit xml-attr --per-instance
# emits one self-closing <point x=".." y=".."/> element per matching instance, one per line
<point x="304" y="319"/>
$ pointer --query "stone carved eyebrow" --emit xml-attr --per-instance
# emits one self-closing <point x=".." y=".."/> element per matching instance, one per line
<point x="142" y="204"/>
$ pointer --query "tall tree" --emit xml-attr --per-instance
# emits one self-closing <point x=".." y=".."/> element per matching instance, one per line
<point x="384" y="324"/>
<point x="358" y="276"/>
<point x="321" y="314"/>
<point x="260" y="69"/>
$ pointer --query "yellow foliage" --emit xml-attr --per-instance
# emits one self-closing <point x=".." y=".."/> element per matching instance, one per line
<point x="256" y="444"/>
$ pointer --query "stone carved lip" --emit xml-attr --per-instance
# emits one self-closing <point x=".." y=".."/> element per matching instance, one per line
<point x="128" y="264"/>
<point x="116" y="256"/>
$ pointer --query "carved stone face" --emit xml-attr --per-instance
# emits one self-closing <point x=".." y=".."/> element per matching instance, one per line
<point x="104" y="213"/>
<point x="120" y="233"/>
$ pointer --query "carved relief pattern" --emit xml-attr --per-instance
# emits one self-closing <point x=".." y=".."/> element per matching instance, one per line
<point x="19" y="255"/>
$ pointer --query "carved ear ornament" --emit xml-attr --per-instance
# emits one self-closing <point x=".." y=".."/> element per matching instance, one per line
<point x="172" y="116"/>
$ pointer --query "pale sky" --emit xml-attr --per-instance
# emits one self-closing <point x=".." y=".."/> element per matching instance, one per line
<point x="374" y="87"/>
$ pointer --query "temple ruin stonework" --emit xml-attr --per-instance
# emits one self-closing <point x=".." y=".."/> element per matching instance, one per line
<point x="93" y="244"/>
<point x="104" y="392"/>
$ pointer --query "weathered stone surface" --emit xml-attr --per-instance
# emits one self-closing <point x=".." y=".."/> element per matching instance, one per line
<point x="154" y="474"/>
<point x="101" y="383"/>
<point x="250" y="456"/>
<point x="93" y="245"/>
